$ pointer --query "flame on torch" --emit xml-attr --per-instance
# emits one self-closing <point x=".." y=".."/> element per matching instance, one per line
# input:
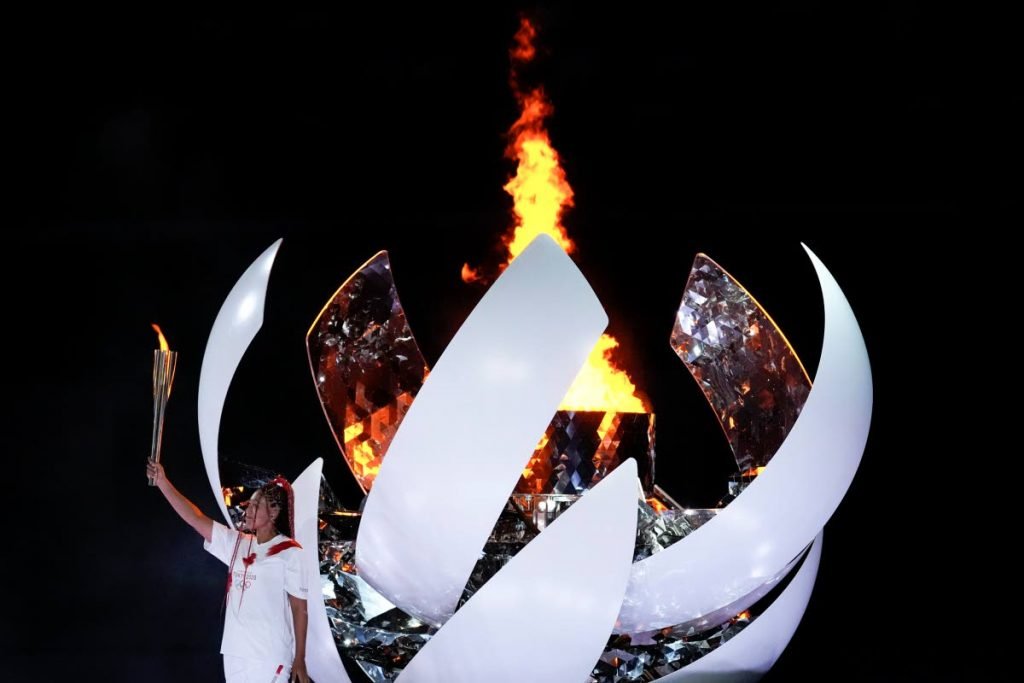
<point x="163" y="339"/>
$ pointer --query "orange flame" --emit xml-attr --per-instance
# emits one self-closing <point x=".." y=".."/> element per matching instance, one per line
<point x="470" y="274"/>
<point x="229" y="493"/>
<point x="524" y="51"/>
<point x="541" y="194"/>
<point x="602" y="386"/>
<point x="163" y="340"/>
<point x="539" y="190"/>
<point x="658" y="506"/>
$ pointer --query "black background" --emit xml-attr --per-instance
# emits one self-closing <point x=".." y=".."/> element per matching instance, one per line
<point x="156" y="155"/>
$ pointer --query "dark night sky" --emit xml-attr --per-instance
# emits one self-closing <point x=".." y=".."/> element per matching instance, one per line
<point x="157" y="155"/>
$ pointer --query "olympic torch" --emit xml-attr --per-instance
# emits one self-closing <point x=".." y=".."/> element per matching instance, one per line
<point x="164" y="363"/>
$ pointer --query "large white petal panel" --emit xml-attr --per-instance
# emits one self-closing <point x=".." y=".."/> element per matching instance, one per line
<point x="237" y="323"/>
<point x="546" y="616"/>
<point x="724" y="614"/>
<point x="750" y="654"/>
<point x="322" y="659"/>
<point x="464" y="442"/>
<point x="785" y="507"/>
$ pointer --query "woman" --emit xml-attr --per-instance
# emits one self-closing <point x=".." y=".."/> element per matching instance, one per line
<point x="265" y="605"/>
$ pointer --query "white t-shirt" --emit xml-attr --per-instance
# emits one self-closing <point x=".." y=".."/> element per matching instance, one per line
<point x="258" y="622"/>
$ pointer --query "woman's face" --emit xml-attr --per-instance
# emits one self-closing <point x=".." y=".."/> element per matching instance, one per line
<point x="260" y="513"/>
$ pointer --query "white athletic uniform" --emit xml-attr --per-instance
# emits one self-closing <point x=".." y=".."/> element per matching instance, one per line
<point x="259" y="638"/>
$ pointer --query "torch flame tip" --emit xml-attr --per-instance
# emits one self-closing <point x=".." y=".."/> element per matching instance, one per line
<point x="163" y="340"/>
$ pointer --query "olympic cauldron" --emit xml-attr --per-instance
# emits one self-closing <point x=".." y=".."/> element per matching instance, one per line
<point x="368" y="371"/>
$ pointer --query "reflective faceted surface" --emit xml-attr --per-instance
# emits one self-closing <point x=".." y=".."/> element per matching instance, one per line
<point x="381" y="639"/>
<point x="746" y="368"/>
<point x="366" y="365"/>
<point x="581" y="447"/>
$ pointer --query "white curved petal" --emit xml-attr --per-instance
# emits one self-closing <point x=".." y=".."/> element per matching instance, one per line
<point x="322" y="659"/>
<point x="547" y="614"/>
<point x="462" y="446"/>
<point x="727" y="612"/>
<point x="238" y="321"/>
<point x="781" y="510"/>
<point x="753" y="651"/>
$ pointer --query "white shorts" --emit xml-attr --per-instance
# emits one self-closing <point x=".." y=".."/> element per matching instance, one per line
<point x="239" y="670"/>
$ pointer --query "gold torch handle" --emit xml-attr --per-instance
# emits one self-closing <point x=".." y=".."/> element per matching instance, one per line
<point x="164" y="365"/>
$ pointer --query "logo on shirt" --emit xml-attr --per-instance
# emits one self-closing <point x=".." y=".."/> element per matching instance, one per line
<point x="243" y="579"/>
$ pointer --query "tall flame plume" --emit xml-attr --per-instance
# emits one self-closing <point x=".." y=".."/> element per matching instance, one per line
<point x="539" y="189"/>
<point x="541" y="195"/>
